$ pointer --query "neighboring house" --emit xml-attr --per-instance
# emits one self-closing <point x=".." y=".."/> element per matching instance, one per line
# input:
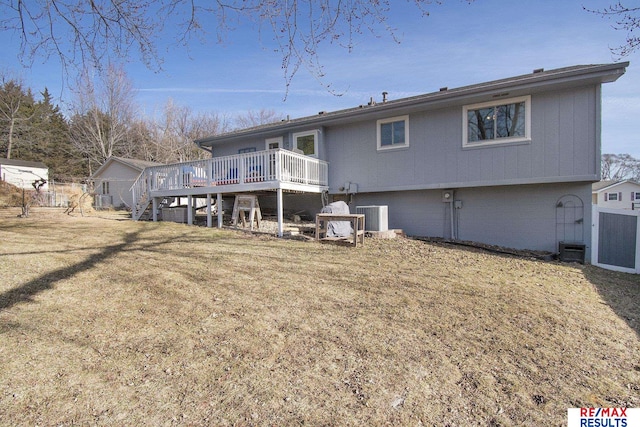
<point x="24" y="174"/>
<point x="616" y="194"/>
<point x="112" y="181"/>
<point x="508" y="162"/>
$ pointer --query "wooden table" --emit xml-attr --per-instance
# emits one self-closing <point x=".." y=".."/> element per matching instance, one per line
<point x="356" y="220"/>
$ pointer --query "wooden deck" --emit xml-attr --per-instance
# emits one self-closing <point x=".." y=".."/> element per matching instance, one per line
<point x="277" y="170"/>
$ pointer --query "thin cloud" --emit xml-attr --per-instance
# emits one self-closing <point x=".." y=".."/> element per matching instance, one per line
<point x="207" y="90"/>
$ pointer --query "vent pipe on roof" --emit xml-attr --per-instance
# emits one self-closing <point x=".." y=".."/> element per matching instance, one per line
<point x="384" y="96"/>
<point x="538" y="70"/>
<point x="371" y="102"/>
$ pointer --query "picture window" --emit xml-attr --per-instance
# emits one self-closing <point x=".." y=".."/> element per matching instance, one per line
<point x="501" y="122"/>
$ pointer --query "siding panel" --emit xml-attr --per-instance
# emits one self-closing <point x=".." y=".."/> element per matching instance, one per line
<point x="583" y="130"/>
<point x="563" y="145"/>
<point x="553" y="139"/>
<point x="522" y="217"/>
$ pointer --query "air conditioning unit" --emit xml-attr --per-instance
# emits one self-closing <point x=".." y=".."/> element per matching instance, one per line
<point x="375" y="217"/>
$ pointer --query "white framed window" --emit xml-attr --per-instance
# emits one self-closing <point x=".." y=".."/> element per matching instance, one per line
<point x="272" y="143"/>
<point x="247" y="150"/>
<point x="105" y="187"/>
<point x="635" y="196"/>
<point x="497" y="122"/>
<point x="393" y="133"/>
<point x="306" y="142"/>
<point x="612" y="197"/>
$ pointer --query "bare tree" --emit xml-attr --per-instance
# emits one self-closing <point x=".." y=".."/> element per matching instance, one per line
<point x="618" y="167"/>
<point x="256" y="118"/>
<point x="87" y="34"/>
<point x="626" y="19"/>
<point x="12" y="109"/>
<point x="102" y="114"/>
<point x="140" y="142"/>
<point x="171" y="137"/>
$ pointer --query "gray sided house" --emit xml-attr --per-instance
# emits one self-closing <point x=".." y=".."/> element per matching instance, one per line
<point x="508" y="162"/>
<point x="112" y="181"/>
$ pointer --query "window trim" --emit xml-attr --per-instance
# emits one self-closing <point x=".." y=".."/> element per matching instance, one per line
<point x="497" y="141"/>
<point x="276" y="140"/>
<point x="381" y="122"/>
<point x="316" y="136"/>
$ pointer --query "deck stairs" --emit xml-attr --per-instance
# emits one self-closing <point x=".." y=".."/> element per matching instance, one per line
<point x="142" y="205"/>
<point x="142" y="199"/>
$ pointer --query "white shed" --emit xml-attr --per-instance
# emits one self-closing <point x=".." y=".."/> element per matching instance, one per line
<point x="24" y="174"/>
<point x="113" y="181"/>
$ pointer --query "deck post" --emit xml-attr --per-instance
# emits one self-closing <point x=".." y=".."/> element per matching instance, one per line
<point x="219" y="204"/>
<point x="209" y="219"/>
<point x="154" y="207"/>
<point x="279" y="200"/>
<point x="189" y="210"/>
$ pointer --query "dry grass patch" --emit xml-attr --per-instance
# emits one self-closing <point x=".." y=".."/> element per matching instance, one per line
<point x="106" y="321"/>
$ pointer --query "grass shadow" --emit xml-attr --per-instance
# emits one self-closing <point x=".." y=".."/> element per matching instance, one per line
<point x="620" y="291"/>
<point x="26" y="292"/>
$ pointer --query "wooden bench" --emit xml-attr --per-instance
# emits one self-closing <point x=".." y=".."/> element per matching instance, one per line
<point x="356" y="220"/>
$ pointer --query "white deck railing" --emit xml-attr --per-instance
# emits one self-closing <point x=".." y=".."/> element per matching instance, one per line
<point x="246" y="168"/>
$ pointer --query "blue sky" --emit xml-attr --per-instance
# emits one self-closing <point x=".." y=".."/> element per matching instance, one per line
<point x="456" y="45"/>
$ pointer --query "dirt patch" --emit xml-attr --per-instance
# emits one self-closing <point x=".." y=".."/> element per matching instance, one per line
<point x="12" y="196"/>
<point x="106" y="321"/>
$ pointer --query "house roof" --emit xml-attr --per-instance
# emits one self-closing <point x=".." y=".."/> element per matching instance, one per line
<point x="12" y="162"/>
<point x="579" y="74"/>
<point x="136" y="164"/>
<point x="597" y="187"/>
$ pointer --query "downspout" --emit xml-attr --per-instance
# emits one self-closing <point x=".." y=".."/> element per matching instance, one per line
<point x="451" y="203"/>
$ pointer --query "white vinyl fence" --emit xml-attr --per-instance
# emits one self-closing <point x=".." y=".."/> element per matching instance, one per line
<point x="616" y="239"/>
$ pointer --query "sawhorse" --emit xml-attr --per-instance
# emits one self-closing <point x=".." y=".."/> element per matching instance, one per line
<point x="243" y="204"/>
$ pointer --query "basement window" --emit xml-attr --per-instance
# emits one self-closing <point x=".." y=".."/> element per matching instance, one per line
<point x="489" y="123"/>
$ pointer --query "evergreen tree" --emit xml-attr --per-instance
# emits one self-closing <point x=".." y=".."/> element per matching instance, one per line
<point x="37" y="131"/>
<point x="64" y="162"/>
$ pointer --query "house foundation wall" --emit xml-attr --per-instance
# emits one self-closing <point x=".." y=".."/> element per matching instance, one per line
<point x="519" y="217"/>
